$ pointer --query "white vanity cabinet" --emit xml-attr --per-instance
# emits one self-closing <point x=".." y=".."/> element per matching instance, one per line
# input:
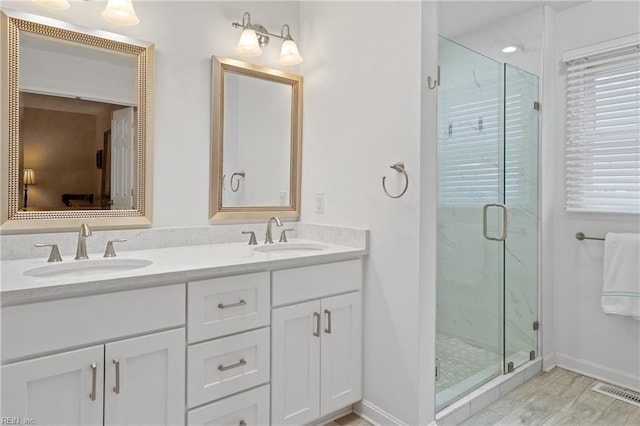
<point x="57" y="389"/>
<point x="129" y="382"/>
<point x="257" y="347"/>
<point x="317" y="344"/>
<point x="123" y="381"/>
<point x="228" y="354"/>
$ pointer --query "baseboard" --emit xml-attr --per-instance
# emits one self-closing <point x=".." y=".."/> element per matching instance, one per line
<point x="376" y="415"/>
<point x="549" y="362"/>
<point x="598" y="371"/>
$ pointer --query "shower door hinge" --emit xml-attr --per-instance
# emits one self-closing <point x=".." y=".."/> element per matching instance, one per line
<point x="510" y="367"/>
<point x="536" y="325"/>
<point x="532" y="355"/>
<point x="536" y="105"/>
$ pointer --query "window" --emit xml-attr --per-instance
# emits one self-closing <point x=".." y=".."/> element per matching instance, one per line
<point x="603" y="128"/>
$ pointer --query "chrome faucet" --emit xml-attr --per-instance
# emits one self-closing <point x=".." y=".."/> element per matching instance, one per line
<point x="81" y="252"/>
<point x="268" y="239"/>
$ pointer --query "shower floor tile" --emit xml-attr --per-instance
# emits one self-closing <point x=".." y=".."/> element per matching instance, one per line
<point x="463" y="367"/>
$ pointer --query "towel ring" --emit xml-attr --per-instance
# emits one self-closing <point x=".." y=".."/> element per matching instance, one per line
<point x="241" y="174"/>
<point x="398" y="167"/>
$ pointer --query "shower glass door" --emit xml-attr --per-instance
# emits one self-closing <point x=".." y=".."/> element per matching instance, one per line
<point x="487" y="220"/>
<point x="521" y="199"/>
<point x="469" y="340"/>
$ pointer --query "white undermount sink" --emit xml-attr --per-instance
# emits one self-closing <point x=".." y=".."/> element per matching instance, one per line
<point x="291" y="247"/>
<point x="83" y="268"/>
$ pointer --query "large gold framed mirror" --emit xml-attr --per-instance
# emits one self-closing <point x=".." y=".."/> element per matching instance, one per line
<point x="76" y="126"/>
<point x="256" y="141"/>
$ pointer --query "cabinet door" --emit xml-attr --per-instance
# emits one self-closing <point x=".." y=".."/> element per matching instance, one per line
<point x="341" y="353"/>
<point x="295" y="366"/>
<point x="145" y="380"/>
<point x="62" y="389"/>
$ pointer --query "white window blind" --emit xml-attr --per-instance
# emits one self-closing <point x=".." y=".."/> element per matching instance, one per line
<point x="603" y="132"/>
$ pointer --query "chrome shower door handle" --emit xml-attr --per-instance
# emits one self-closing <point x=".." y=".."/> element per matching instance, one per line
<point x="504" y="221"/>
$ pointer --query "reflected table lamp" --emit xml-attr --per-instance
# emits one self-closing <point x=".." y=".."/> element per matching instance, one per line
<point x="29" y="178"/>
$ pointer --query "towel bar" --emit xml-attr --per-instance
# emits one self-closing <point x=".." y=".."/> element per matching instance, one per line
<point x="580" y="236"/>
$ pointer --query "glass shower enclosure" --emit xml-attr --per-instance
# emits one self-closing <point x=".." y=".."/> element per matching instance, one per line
<point x="487" y="240"/>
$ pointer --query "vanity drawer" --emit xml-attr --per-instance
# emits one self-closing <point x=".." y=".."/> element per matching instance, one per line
<point x="252" y="407"/>
<point x="35" y="328"/>
<point x="222" y="306"/>
<point x="228" y="365"/>
<point x="314" y="282"/>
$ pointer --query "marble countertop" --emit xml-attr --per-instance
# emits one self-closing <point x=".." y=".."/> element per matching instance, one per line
<point x="170" y="266"/>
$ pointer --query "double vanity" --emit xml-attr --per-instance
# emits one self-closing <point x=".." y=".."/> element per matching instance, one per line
<point x="195" y="334"/>
<point x="173" y="326"/>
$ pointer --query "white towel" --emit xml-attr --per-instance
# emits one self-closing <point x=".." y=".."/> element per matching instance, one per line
<point x="621" y="285"/>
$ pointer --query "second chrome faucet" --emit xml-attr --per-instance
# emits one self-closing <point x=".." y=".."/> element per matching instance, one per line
<point x="81" y="251"/>
<point x="268" y="239"/>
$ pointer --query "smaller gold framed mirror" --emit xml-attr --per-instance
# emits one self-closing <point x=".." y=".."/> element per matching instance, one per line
<point x="256" y="141"/>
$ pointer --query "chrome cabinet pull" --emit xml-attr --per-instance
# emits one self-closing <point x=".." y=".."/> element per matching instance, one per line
<point x="328" y="329"/>
<point x="232" y="305"/>
<point x="94" y="370"/>
<point x="116" y="388"/>
<point x="504" y="221"/>
<point x="317" y="332"/>
<point x="236" y="365"/>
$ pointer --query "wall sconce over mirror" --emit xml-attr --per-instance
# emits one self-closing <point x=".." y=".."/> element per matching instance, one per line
<point x="119" y="12"/>
<point x="254" y="37"/>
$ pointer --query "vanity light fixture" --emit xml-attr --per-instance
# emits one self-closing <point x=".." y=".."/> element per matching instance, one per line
<point x="510" y="49"/>
<point x="255" y="36"/>
<point x="118" y="12"/>
<point x="53" y="4"/>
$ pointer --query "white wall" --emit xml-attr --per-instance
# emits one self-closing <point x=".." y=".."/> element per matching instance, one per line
<point x="186" y="35"/>
<point x="362" y="114"/>
<point x="585" y="339"/>
<point x="550" y="162"/>
<point x="68" y="74"/>
<point x="523" y="30"/>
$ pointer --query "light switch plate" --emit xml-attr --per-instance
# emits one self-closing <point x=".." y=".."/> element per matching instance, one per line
<point x="320" y="202"/>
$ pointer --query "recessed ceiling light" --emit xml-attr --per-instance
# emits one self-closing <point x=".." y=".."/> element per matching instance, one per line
<point x="509" y="49"/>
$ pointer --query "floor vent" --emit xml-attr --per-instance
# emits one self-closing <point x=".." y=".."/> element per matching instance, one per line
<point x="623" y="395"/>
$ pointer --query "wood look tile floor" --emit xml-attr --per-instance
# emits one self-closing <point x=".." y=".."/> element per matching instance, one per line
<point x="559" y="397"/>
<point x="349" y="420"/>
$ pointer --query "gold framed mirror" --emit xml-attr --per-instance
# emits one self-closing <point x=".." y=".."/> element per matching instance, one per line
<point x="76" y="126"/>
<point x="256" y="141"/>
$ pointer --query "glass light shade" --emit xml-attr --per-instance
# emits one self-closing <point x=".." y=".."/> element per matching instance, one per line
<point x="289" y="54"/>
<point x="248" y="44"/>
<point x="120" y="12"/>
<point x="29" y="177"/>
<point x="53" y="4"/>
